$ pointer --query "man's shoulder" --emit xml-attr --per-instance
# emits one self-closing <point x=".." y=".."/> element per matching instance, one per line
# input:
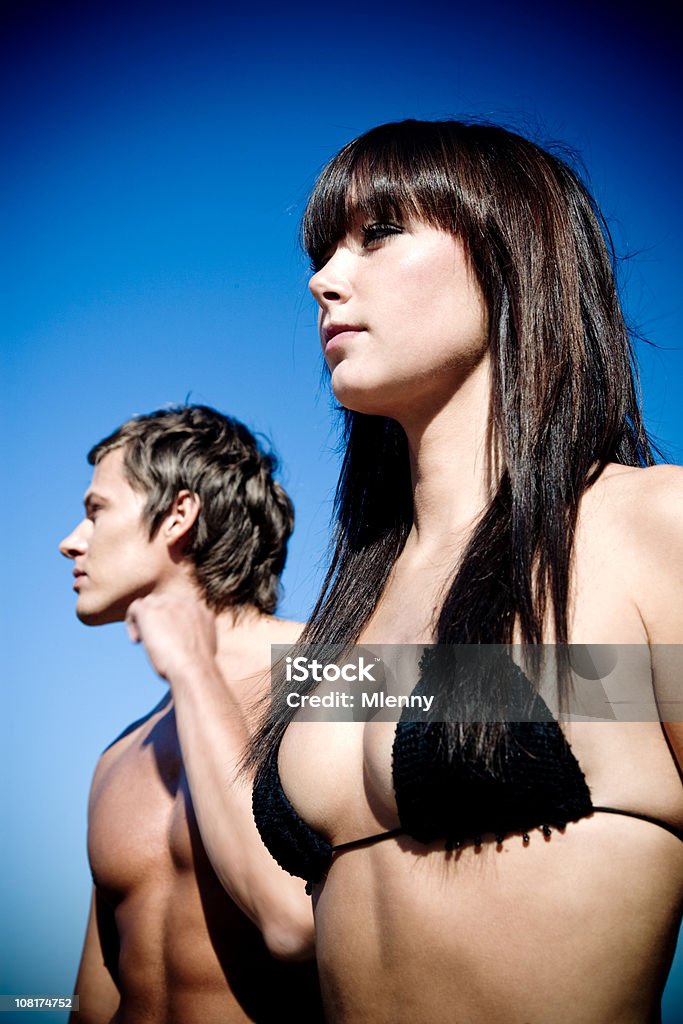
<point x="138" y="723"/>
<point x="284" y="631"/>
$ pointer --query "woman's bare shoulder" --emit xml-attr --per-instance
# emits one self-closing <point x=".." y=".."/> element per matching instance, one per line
<point x="642" y="510"/>
<point x="642" y="498"/>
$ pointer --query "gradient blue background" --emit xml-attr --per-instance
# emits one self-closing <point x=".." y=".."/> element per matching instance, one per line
<point x="155" y="164"/>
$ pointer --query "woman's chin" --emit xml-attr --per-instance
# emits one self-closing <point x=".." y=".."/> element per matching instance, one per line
<point x="358" y="402"/>
<point x="360" y="395"/>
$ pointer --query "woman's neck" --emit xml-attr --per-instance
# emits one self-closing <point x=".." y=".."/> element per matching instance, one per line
<point x="453" y="473"/>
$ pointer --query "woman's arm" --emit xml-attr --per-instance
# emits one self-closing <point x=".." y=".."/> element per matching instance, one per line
<point x="659" y="511"/>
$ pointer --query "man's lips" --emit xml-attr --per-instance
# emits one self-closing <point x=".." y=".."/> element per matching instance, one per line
<point x="78" y="575"/>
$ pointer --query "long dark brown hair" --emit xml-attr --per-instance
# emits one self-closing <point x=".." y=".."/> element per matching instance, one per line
<point x="564" y="397"/>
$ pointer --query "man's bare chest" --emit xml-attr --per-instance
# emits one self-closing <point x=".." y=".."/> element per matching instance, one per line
<point x="141" y="821"/>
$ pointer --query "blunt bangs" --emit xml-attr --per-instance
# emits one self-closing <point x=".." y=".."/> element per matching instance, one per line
<point x="397" y="172"/>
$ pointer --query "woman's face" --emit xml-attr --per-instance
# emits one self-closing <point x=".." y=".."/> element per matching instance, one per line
<point x="402" y="318"/>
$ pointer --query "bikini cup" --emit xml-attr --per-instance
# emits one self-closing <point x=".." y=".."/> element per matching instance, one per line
<point x="439" y="797"/>
<point x="533" y="781"/>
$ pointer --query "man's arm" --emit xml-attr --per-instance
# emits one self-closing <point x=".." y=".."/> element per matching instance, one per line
<point x="96" y="990"/>
<point x="213" y="727"/>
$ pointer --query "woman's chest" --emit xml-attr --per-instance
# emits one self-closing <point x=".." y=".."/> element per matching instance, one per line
<point x="338" y="776"/>
<point x="408" y="609"/>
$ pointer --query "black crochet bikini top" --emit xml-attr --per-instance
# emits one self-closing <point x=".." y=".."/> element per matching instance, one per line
<point x="539" y="784"/>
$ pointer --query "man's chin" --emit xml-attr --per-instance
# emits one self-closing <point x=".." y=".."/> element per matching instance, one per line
<point x="99" y="616"/>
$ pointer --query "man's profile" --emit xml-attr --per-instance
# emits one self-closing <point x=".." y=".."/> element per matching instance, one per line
<point x="184" y="536"/>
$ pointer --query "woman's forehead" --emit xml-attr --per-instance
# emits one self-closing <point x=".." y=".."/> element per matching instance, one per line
<point x="348" y="204"/>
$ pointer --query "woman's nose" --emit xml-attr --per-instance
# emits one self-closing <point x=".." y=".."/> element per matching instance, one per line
<point x="331" y="283"/>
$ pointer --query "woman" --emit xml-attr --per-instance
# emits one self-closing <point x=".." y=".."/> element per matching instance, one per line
<point x="498" y="487"/>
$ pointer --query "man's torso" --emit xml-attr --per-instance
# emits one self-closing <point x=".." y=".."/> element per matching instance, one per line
<point x="181" y="950"/>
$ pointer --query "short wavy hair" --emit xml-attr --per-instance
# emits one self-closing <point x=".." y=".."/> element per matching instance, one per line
<point x="238" y="545"/>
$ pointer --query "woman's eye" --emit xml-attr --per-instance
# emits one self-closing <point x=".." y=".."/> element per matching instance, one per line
<point x="319" y="259"/>
<point x="317" y="264"/>
<point x="376" y="232"/>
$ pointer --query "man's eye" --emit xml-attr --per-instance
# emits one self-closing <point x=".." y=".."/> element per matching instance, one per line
<point x="376" y="232"/>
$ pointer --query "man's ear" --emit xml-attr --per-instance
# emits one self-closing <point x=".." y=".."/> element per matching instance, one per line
<point x="181" y="517"/>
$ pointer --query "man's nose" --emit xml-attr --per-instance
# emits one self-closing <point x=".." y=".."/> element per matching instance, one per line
<point x="75" y="544"/>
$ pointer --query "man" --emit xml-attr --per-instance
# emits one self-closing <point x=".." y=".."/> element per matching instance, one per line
<point x="184" y="536"/>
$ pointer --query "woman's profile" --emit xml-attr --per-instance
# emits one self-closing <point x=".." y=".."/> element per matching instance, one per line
<point x="498" y="487"/>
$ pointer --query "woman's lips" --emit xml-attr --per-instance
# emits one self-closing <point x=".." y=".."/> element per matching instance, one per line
<point x="337" y="334"/>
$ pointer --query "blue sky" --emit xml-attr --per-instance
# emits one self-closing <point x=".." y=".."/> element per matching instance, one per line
<point x="156" y="162"/>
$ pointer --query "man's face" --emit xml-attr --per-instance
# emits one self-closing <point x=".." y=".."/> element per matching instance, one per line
<point x="114" y="559"/>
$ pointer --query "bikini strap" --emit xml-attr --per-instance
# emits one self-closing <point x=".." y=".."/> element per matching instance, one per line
<point x="643" y="817"/>
<point x="368" y="840"/>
